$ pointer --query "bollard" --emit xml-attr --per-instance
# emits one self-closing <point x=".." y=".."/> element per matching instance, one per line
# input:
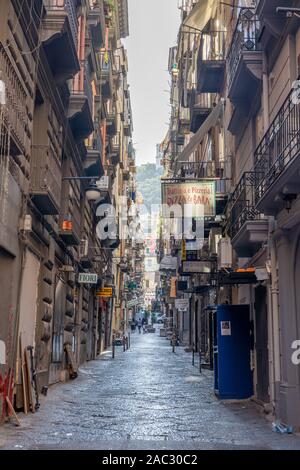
<point x="200" y="367"/>
<point x="113" y="346"/>
<point x="124" y="344"/>
<point x="129" y="339"/>
<point x="173" y="342"/>
<point x="193" y="357"/>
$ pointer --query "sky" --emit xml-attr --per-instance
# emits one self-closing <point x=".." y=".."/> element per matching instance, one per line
<point x="153" y="27"/>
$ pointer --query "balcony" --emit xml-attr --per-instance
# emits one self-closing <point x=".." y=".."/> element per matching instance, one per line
<point x="200" y="108"/>
<point x="114" y="154"/>
<point x="211" y="62"/>
<point x="184" y="121"/>
<point x="81" y="112"/>
<point x="60" y="38"/>
<point x="45" y="180"/>
<point x="88" y="255"/>
<point x="96" y="20"/>
<point x="273" y="25"/>
<point x="244" y="64"/>
<point x="127" y="128"/>
<point x="248" y="227"/>
<point x="203" y="170"/>
<point x="277" y="161"/>
<point x="111" y="119"/>
<point x="106" y="77"/>
<point x="93" y="161"/>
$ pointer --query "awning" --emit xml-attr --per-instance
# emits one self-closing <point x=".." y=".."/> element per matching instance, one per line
<point x="200" y="15"/>
<point x="209" y="122"/>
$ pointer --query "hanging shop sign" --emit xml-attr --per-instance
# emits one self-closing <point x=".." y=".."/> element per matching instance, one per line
<point x="201" y="267"/>
<point x="168" y="263"/>
<point x="198" y="193"/>
<point x="87" y="278"/>
<point x="105" y="292"/>
<point x="182" y="304"/>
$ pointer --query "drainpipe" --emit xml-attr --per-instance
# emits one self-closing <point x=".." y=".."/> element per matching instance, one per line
<point x="273" y="310"/>
<point x="275" y="327"/>
<point x="266" y="93"/>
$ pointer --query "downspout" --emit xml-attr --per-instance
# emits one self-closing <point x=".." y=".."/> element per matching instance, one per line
<point x="273" y="310"/>
<point x="275" y="327"/>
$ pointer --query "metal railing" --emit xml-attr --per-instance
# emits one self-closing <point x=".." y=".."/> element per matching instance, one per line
<point x="96" y="142"/>
<point x="241" y="204"/>
<point x="200" y="100"/>
<point x="279" y="147"/>
<point x="88" y="92"/>
<point x="204" y="169"/>
<point x="45" y="173"/>
<point x="212" y="47"/>
<point x="245" y="38"/>
<point x="70" y="7"/>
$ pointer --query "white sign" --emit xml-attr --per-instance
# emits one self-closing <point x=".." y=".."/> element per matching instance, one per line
<point x="196" y="267"/>
<point x="226" y="328"/>
<point x="2" y="353"/>
<point x="168" y="263"/>
<point x="88" y="278"/>
<point x="182" y="304"/>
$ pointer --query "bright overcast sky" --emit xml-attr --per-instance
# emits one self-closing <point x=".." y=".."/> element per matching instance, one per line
<point x="153" y="29"/>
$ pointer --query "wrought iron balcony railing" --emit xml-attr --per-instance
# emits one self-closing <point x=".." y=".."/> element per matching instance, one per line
<point x="279" y="147"/>
<point x="45" y="181"/>
<point x="212" y="46"/>
<point x="70" y="7"/>
<point x="241" y="204"/>
<point x="245" y="38"/>
<point x="204" y="170"/>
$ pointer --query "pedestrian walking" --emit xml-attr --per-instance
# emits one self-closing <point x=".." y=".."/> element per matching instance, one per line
<point x="133" y="325"/>
<point x="139" y="324"/>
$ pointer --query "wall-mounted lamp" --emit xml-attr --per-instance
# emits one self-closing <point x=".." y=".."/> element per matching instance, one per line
<point x="288" y="199"/>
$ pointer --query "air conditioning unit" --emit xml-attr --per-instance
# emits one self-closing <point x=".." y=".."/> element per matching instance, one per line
<point x="84" y="248"/>
<point x="224" y="253"/>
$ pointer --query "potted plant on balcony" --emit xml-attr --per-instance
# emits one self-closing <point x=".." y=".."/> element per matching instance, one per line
<point x="109" y="7"/>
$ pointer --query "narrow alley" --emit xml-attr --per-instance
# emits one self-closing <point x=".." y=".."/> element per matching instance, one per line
<point x="146" y="398"/>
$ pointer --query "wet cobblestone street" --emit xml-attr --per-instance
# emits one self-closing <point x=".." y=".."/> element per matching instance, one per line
<point x="147" y="398"/>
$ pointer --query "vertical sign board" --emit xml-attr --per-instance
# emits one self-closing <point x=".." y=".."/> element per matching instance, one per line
<point x="183" y="250"/>
<point x="173" y="289"/>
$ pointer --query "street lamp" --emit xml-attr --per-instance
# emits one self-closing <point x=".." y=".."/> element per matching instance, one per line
<point x="92" y="192"/>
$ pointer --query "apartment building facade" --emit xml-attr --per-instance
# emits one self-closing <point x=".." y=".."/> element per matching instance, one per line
<point x="235" y="120"/>
<point x="65" y="126"/>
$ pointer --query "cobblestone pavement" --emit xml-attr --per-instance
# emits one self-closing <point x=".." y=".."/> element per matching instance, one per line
<point x="147" y="398"/>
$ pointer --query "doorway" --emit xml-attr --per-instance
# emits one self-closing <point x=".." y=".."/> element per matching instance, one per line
<point x="261" y="344"/>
